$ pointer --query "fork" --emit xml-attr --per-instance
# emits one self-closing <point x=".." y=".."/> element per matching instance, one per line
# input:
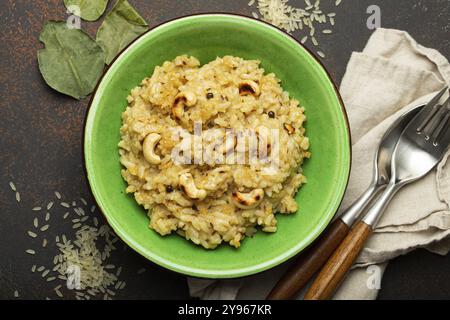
<point x="420" y="148"/>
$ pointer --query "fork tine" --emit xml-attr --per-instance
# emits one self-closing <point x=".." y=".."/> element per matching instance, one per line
<point x="439" y="131"/>
<point x="435" y="120"/>
<point x="433" y="104"/>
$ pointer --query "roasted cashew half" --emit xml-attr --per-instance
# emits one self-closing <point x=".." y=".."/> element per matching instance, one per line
<point x="249" y="87"/>
<point x="227" y="147"/>
<point x="189" y="188"/>
<point x="248" y="200"/>
<point x="148" y="148"/>
<point x="182" y="100"/>
<point x="289" y="128"/>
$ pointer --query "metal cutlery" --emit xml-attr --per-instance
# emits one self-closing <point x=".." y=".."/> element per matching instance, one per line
<point x="313" y="258"/>
<point x="420" y="148"/>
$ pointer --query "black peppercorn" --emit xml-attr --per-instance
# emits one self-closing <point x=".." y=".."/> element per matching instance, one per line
<point x="169" y="189"/>
<point x="209" y="95"/>
<point x="271" y="114"/>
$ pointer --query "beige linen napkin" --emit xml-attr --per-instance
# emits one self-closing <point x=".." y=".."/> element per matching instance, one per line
<point x="392" y="74"/>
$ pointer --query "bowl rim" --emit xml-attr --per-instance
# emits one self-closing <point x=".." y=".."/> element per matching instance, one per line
<point x="199" y="272"/>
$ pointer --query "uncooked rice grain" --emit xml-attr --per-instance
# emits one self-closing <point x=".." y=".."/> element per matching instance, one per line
<point x="141" y="271"/>
<point x="32" y="234"/>
<point x="65" y="204"/>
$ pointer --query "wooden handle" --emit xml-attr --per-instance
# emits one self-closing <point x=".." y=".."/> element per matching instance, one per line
<point x="309" y="262"/>
<point x="340" y="262"/>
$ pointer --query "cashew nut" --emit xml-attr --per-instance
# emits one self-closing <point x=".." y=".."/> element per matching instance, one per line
<point x="290" y="129"/>
<point x="248" y="200"/>
<point x="249" y="87"/>
<point x="229" y="145"/>
<point x="189" y="187"/>
<point x="182" y="100"/>
<point x="148" y="148"/>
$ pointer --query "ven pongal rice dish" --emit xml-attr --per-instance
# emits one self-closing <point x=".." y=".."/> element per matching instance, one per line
<point x="212" y="152"/>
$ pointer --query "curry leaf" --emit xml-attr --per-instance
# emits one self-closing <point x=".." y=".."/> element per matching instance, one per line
<point x="121" y="26"/>
<point x="71" y="62"/>
<point x="89" y="10"/>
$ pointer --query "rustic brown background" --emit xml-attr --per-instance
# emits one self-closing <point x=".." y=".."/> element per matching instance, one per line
<point x="40" y="139"/>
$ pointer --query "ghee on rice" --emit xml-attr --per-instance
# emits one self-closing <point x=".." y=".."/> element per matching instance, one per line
<point x="219" y="103"/>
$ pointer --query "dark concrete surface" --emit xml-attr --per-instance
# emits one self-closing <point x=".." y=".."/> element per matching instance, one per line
<point x="40" y="139"/>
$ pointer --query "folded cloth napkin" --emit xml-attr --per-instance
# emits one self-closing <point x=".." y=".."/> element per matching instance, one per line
<point x="392" y="75"/>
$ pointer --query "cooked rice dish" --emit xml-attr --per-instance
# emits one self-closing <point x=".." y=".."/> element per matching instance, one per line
<point x="205" y="201"/>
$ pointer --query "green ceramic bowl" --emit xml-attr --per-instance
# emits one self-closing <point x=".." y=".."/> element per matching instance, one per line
<point x="206" y="37"/>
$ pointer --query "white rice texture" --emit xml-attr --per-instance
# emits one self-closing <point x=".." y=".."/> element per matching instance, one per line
<point x="215" y="218"/>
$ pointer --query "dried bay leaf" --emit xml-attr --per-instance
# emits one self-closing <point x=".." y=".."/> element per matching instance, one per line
<point x="71" y="62"/>
<point x="89" y="10"/>
<point x="121" y="26"/>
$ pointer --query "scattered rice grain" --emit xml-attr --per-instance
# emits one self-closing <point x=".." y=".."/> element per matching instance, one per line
<point x="321" y="54"/>
<point x="32" y="234"/>
<point x="65" y="204"/>
<point x="141" y="271"/>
